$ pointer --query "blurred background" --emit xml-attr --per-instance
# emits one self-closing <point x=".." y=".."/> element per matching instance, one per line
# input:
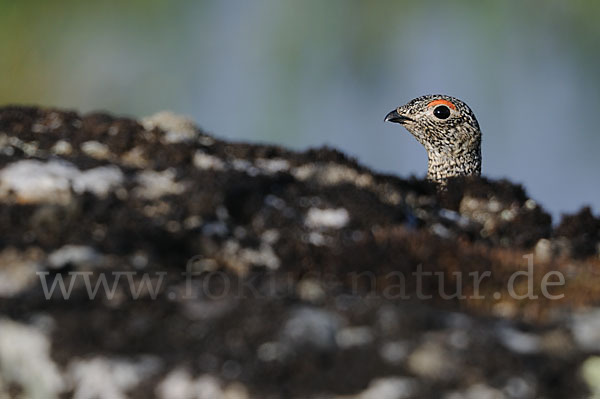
<point x="313" y="72"/>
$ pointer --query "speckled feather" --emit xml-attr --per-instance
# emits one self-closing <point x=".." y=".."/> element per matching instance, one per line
<point x="453" y="144"/>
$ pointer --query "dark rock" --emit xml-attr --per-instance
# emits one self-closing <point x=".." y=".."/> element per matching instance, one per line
<point x="188" y="263"/>
<point x="582" y="230"/>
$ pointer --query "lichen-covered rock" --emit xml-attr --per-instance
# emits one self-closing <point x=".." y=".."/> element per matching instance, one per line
<point x="150" y="259"/>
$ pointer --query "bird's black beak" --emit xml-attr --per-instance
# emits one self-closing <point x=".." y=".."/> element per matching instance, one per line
<point x="395" y="117"/>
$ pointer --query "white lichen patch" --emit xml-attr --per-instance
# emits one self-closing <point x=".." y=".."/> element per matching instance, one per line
<point x="317" y="239"/>
<point x="105" y="378"/>
<point x="17" y="270"/>
<point x="530" y="204"/>
<point x="208" y="162"/>
<point x="391" y="388"/>
<point x="261" y="166"/>
<point x="29" y="148"/>
<point x="332" y="174"/>
<point x="243" y="165"/>
<point x="270" y="236"/>
<point x="432" y="361"/>
<point x="311" y="290"/>
<point x="350" y="337"/>
<point x="454" y="217"/>
<point x="135" y="158"/>
<point x="62" y="147"/>
<point x="271" y="351"/>
<point x="95" y="149"/>
<point x="585" y="327"/>
<point x="179" y="383"/>
<point x="99" y="181"/>
<point x="153" y="184"/>
<point x="264" y="255"/>
<point x="32" y="181"/>
<point x="240" y="259"/>
<point x="543" y="250"/>
<point x="272" y="166"/>
<point x="76" y="255"/>
<point x="395" y="352"/>
<point x="177" y="128"/>
<point x="206" y="140"/>
<point x="590" y="371"/>
<point x="478" y="391"/>
<point x="39" y="128"/>
<point x="25" y="361"/>
<point x="518" y="341"/>
<point x="311" y="327"/>
<point x="490" y="213"/>
<point x="5" y="147"/>
<point x="327" y="218"/>
<point x="275" y="202"/>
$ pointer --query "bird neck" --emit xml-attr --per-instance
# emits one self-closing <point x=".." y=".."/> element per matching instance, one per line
<point x="464" y="162"/>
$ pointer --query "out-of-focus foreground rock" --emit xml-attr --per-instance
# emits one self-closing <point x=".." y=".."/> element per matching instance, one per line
<point x="147" y="259"/>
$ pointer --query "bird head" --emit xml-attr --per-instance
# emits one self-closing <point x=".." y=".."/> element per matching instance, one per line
<point x="443" y="124"/>
<point x="448" y="130"/>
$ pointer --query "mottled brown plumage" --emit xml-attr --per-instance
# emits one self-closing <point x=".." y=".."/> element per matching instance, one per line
<point x="448" y="130"/>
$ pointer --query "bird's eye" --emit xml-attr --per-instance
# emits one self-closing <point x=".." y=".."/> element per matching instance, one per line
<point x="441" y="112"/>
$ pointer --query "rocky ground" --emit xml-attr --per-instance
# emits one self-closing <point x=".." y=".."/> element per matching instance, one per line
<point x="147" y="258"/>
